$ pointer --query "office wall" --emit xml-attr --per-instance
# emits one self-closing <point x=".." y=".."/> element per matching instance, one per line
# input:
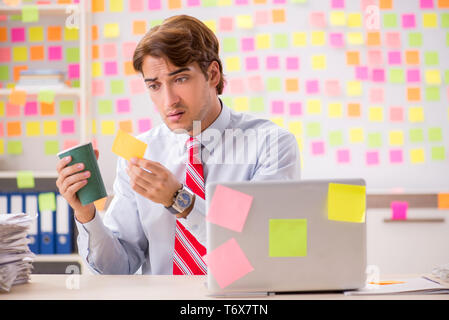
<point x="362" y="101"/>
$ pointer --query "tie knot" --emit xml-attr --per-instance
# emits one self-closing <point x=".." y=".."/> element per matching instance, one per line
<point x="193" y="146"/>
<point x="192" y="143"/>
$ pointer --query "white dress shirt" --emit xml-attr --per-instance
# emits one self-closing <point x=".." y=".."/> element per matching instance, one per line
<point x="136" y="232"/>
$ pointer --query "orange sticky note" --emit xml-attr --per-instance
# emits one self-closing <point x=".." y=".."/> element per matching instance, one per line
<point x="443" y="201"/>
<point x="127" y="146"/>
<point x="18" y="97"/>
<point x="100" y="203"/>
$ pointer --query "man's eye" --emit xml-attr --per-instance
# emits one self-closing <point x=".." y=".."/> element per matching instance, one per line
<point x="181" y="79"/>
<point x="152" y="87"/>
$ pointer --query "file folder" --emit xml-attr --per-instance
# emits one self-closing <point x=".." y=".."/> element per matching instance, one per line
<point x="16" y="203"/>
<point x="31" y="207"/>
<point x="3" y="203"/>
<point x="63" y="226"/>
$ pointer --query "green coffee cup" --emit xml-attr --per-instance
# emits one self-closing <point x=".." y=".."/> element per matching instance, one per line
<point x="94" y="189"/>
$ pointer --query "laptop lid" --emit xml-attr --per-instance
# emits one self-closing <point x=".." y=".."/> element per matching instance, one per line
<point x="287" y="241"/>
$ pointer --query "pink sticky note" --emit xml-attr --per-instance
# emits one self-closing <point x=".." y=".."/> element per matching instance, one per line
<point x="226" y="24"/>
<point x="110" y="68"/>
<point x="73" y="71"/>
<point x="193" y="3"/>
<point x="372" y="158"/>
<point x="261" y="17"/>
<point x="154" y="4"/>
<point x="376" y="95"/>
<point x="17" y="34"/>
<point x="338" y="4"/>
<point x="55" y="53"/>
<point x="97" y="87"/>
<point x="394" y="57"/>
<point x="110" y="51"/>
<point x="137" y="86"/>
<point x="123" y="106"/>
<point x="336" y="39"/>
<point x="374" y="58"/>
<point x="255" y="83"/>
<point x="279" y="1"/>
<point x="396" y="114"/>
<point x="408" y="21"/>
<point x="236" y="86"/>
<point x="393" y="39"/>
<point x="343" y="156"/>
<point x="2" y="130"/>
<point x="295" y="108"/>
<point x="67" y="126"/>
<point x="396" y="156"/>
<point x="128" y="49"/>
<point x="229" y="208"/>
<point x="5" y="54"/>
<point x="251" y="63"/>
<point x="241" y="2"/>
<point x="69" y="144"/>
<point x="292" y="63"/>
<point x="426" y="4"/>
<point x="272" y="62"/>
<point x="317" y="147"/>
<point x="413" y="75"/>
<point x="361" y="73"/>
<point x="312" y="86"/>
<point x="136" y="5"/>
<point x="332" y="88"/>
<point x="12" y="110"/>
<point x="399" y="210"/>
<point x="144" y="125"/>
<point x="227" y="263"/>
<point x="30" y="108"/>
<point x="277" y="107"/>
<point x="247" y="44"/>
<point x="378" y="75"/>
<point x="317" y="20"/>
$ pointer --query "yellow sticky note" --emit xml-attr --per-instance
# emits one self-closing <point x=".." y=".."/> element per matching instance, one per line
<point x="396" y="138"/>
<point x="127" y="146"/>
<point x="319" y="62"/>
<point x="337" y="18"/>
<point x="107" y="127"/>
<point x="429" y="20"/>
<point x="335" y="110"/>
<point x="346" y="203"/>
<point x="376" y="114"/>
<point x="355" y="38"/>
<point x="279" y="121"/>
<point x="111" y="30"/>
<point x="417" y="155"/>
<point x="71" y="34"/>
<point x="233" y="64"/>
<point x="354" y="20"/>
<point x="318" y="38"/>
<point x="2" y="146"/>
<point x="36" y="34"/>
<point x="241" y="104"/>
<point x="356" y="135"/>
<point x="295" y="127"/>
<point x="313" y="106"/>
<point x="245" y="21"/>
<point x="299" y="39"/>
<point x="96" y="69"/>
<point x="33" y="128"/>
<point x="50" y="128"/>
<point x="433" y="77"/>
<point x="416" y="114"/>
<point x="116" y="5"/>
<point x="354" y="88"/>
<point x="211" y="24"/>
<point x="263" y="41"/>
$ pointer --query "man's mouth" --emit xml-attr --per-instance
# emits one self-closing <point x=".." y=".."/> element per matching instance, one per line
<point x="175" y="116"/>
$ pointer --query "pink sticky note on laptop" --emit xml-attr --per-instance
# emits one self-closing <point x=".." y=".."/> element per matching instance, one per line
<point x="227" y="263"/>
<point x="399" y="210"/>
<point x="229" y="208"/>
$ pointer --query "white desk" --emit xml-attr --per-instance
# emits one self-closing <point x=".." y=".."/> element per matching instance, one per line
<point x="139" y="287"/>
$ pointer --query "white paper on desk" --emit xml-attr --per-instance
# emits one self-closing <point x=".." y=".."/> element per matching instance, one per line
<point x="410" y="286"/>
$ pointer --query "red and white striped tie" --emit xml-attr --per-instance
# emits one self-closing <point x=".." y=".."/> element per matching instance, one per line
<point x="188" y="251"/>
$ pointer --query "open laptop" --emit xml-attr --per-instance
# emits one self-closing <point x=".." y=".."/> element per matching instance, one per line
<point x="334" y="257"/>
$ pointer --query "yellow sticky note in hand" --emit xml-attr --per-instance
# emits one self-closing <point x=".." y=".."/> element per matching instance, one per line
<point x="346" y="203"/>
<point x="127" y="146"/>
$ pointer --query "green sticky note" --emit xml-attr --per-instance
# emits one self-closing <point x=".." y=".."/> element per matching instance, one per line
<point x="416" y="135"/>
<point x="446" y="77"/>
<point x="435" y="135"/>
<point x="431" y="58"/>
<point x="313" y="130"/>
<point x="51" y="147"/>
<point x="274" y="84"/>
<point x="287" y="238"/>
<point x="117" y="87"/>
<point x="432" y="94"/>
<point x="415" y="39"/>
<point x="4" y="73"/>
<point x="230" y="44"/>
<point x="72" y="55"/>
<point x="228" y="101"/>
<point x="155" y="22"/>
<point x="257" y="104"/>
<point x="14" y="147"/>
<point x="25" y="179"/>
<point x="336" y="138"/>
<point x="374" y="140"/>
<point x="447" y="39"/>
<point x="280" y="41"/>
<point x="30" y="13"/>
<point x="105" y="107"/>
<point x="390" y="20"/>
<point x="346" y="203"/>
<point x="438" y="153"/>
<point x="396" y="75"/>
<point x="209" y="3"/>
<point x="47" y="96"/>
<point x="445" y="20"/>
<point x="47" y="201"/>
<point x="66" y="107"/>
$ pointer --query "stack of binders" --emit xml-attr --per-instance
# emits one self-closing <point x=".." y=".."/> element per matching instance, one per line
<point x="51" y="232"/>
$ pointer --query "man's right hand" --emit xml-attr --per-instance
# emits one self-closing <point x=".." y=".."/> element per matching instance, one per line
<point x="70" y="180"/>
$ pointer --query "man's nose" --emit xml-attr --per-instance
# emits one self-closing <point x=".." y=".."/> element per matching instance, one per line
<point x="171" y="98"/>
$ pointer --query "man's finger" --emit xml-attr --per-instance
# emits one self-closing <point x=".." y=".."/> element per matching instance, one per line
<point x="62" y="163"/>
<point x="139" y="177"/>
<point x="153" y="166"/>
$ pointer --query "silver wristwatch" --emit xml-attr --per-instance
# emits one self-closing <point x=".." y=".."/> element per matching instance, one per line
<point x="182" y="199"/>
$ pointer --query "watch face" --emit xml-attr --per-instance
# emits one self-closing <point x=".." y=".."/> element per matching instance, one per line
<point x="183" y="200"/>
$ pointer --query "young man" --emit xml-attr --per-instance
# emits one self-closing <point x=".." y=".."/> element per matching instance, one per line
<point x="156" y="219"/>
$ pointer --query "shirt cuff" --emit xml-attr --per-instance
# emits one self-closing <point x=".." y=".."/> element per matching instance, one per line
<point x="93" y="227"/>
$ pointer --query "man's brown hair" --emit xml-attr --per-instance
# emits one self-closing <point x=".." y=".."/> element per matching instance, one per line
<point x="182" y="40"/>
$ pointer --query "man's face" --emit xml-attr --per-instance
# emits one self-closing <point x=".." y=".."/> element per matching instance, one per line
<point x="181" y="94"/>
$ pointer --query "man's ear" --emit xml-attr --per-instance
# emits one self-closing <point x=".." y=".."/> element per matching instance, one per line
<point x="214" y="73"/>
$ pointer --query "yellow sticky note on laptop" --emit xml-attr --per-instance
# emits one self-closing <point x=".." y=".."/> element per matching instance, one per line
<point x="127" y="146"/>
<point x="346" y="203"/>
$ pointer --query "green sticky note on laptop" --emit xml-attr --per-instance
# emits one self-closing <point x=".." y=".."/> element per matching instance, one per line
<point x="288" y="237"/>
<point x="346" y="203"/>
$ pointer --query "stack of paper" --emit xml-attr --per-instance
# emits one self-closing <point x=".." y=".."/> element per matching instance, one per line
<point x="15" y="256"/>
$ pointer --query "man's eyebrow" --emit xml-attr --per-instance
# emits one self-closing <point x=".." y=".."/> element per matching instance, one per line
<point x="170" y="74"/>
